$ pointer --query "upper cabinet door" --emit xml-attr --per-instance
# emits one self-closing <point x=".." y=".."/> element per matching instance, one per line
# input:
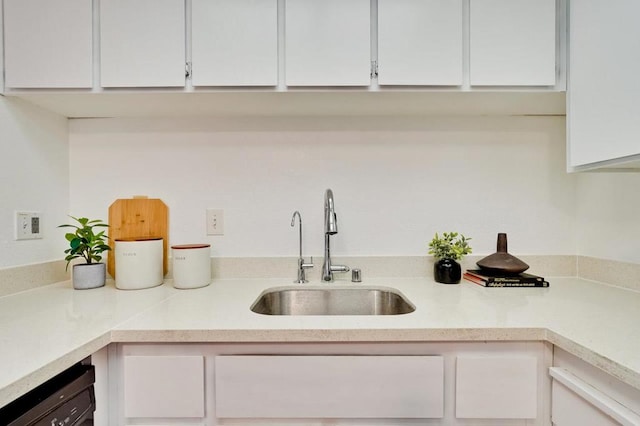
<point x="55" y="36"/>
<point x="603" y="90"/>
<point x="420" y="42"/>
<point x="328" y="43"/>
<point x="513" y="42"/>
<point x="235" y="42"/>
<point x="142" y="43"/>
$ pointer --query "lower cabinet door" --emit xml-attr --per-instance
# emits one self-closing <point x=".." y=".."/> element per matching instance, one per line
<point x="496" y="387"/>
<point x="163" y="386"/>
<point x="576" y="402"/>
<point x="329" y="386"/>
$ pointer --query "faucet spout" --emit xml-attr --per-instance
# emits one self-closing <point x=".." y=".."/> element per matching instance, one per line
<point x="330" y="228"/>
<point x="302" y="265"/>
<point x="330" y="218"/>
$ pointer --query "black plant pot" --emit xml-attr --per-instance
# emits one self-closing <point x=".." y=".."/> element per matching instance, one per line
<point x="447" y="271"/>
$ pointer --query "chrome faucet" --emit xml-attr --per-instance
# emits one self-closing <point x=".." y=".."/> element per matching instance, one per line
<point x="301" y="263"/>
<point x="330" y="228"/>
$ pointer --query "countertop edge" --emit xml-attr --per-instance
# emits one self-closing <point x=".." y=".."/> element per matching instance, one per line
<point x="328" y="335"/>
<point x="620" y="372"/>
<point x="23" y="385"/>
<point x="26" y="383"/>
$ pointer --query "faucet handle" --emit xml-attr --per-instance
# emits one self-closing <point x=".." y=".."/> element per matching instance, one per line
<point x="301" y="270"/>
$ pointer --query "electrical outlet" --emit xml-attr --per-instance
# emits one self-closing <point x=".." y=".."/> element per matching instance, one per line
<point x="28" y="226"/>
<point x="215" y="222"/>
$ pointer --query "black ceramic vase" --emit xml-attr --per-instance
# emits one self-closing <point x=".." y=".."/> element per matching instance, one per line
<point x="447" y="271"/>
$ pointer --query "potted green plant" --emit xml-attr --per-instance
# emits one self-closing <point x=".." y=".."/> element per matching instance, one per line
<point x="88" y="243"/>
<point x="448" y="250"/>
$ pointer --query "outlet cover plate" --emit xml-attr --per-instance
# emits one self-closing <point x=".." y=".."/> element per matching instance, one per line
<point x="28" y="225"/>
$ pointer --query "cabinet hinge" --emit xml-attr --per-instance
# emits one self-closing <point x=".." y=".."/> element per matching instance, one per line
<point x="187" y="70"/>
<point x="374" y="69"/>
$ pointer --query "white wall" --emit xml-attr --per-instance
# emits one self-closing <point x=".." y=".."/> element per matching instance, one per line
<point x="396" y="181"/>
<point x="608" y="213"/>
<point x="34" y="176"/>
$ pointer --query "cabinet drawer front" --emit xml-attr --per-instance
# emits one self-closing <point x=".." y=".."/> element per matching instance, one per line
<point x="496" y="388"/>
<point x="329" y="386"/>
<point x="164" y="386"/>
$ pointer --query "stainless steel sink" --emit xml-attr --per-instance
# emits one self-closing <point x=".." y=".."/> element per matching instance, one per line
<point x="323" y="300"/>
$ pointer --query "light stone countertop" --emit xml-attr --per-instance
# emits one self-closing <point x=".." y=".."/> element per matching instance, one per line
<point x="45" y="330"/>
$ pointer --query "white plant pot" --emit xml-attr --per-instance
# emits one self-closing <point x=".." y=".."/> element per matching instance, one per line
<point x="88" y="275"/>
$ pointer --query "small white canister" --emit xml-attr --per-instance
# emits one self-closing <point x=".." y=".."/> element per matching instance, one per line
<point x="139" y="263"/>
<point x="191" y="265"/>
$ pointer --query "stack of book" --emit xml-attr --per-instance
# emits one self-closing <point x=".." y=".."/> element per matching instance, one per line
<point x="485" y="279"/>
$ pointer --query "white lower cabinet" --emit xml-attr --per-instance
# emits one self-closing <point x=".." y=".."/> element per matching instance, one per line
<point x="163" y="386"/>
<point x="347" y="384"/>
<point x="586" y="396"/>
<point x="572" y="406"/>
<point x="489" y="387"/>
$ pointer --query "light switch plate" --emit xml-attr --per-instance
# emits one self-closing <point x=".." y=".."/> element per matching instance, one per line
<point x="215" y="222"/>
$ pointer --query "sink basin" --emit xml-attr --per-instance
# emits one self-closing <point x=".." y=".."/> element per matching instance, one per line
<point x="323" y="300"/>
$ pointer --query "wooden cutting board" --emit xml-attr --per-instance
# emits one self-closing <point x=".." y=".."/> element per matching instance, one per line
<point x="135" y="218"/>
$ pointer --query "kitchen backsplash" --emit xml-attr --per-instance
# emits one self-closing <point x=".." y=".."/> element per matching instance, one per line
<point x="621" y="274"/>
<point x="21" y="278"/>
<point x="396" y="181"/>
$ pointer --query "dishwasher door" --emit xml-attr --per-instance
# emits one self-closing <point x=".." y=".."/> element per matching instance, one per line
<point x="67" y="399"/>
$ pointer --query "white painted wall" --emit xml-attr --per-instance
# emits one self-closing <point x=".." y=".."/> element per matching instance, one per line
<point x="396" y="180"/>
<point x="34" y="176"/>
<point x="608" y="215"/>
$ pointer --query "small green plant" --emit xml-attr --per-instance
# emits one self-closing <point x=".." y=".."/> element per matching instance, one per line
<point x="450" y="246"/>
<point x="84" y="241"/>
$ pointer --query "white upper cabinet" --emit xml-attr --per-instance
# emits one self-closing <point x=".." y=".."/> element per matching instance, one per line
<point x="603" y="91"/>
<point x="420" y="42"/>
<point x="142" y="43"/>
<point x="235" y="42"/>
<point x="48" y="44"/>
<point x="328" y="42"/>
<point x="512" y="42"/>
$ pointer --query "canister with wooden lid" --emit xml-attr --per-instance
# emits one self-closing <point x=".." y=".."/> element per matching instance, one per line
<point x="191" y="265"/>
<point x="139" y="262"/>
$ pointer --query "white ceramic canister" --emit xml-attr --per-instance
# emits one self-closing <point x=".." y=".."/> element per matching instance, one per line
<point x="139" y="263"/>
<point x="191" y="265"/>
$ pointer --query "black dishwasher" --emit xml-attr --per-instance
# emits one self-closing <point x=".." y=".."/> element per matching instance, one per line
<point x="67" y="399"/>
